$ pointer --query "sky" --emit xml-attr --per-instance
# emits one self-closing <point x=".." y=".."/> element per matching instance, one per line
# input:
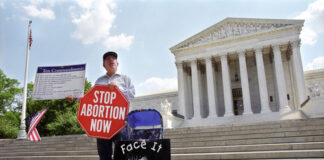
<point x="67" y="32"/>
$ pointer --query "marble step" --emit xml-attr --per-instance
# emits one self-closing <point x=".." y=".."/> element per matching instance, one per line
<point x="256" y="147"/>
<point x="319" y="153"/>
<point x="219" y="140"/>
<point x="282" y="132"/>
<point x="249" y="126"/>
<point x="304" y="136"/>
<point x="209" y="149"/>
<point x="248" y="141"/>
<point x="58" y="157"/>
<point x="251" y="136"/>
<point x="247" y="131"/>
<point x="295" y="154"/>
<point x="50" y="153"/>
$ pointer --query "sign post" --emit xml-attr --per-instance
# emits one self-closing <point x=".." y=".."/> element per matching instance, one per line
<point x="102" y="112"/>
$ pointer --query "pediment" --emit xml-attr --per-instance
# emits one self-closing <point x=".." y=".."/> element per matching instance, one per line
<point x="231" y="28"/>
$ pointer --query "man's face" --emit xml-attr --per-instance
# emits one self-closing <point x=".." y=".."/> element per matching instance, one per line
<point x="110" y="64"/>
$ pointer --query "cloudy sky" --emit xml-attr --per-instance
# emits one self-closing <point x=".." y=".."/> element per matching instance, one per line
<point x="141" y="31"/>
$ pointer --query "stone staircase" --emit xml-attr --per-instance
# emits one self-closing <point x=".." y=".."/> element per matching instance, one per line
<point x="289" y="139"/>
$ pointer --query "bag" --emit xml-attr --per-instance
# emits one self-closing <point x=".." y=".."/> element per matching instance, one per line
<point x="143" y="124"/>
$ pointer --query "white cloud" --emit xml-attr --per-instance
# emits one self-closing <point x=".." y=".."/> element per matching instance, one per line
<point x="42" y="13"/>
<point x="314" y="24"/>
<point x="2" y="5"/>
<point x="121" y="41"/>
<point x="94" y="22"/>
<point x="156" y="84"/>
<point x="317" y="63"/>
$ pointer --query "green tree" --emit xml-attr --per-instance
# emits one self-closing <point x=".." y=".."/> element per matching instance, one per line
<point x="8" y="91"/>
<point x="9" y="124"/>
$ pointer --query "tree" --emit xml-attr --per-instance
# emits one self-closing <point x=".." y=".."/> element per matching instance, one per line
<point x="8" y="91"/>
<point x="9" y="124"/>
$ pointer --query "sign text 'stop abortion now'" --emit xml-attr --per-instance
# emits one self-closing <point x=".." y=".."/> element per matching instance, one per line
<point x="102" y="112"/>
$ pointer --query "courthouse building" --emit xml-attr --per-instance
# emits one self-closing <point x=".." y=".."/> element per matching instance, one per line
<point x="238" y="70"/>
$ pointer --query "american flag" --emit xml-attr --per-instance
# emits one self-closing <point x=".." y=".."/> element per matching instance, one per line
<point x="33" y="121"/>
<point x="30" y="39"/>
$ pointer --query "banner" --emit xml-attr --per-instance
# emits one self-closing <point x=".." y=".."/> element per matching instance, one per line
<point x="143" y="150"/>
<point x="57" y="82"/>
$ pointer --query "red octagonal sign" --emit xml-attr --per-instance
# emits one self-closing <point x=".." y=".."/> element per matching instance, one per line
<point x="102" y="111"/>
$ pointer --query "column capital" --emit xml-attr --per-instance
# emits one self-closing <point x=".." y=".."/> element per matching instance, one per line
<point x="179" y="64"/>
<point x="275" y="47"/>
<point x="258" y="49"/>
<point x="241" y="53"/>
<point x="296" y="43"/>
<point x="209" y="58"/>
<point x="193" y="60"/>
<point x="223" y="57"/>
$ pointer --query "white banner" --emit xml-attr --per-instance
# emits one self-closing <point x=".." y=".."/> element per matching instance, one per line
<point x="57" y="82"/>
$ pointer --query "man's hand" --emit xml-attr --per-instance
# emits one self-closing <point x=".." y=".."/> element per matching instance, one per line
<point x="69" y="98"/>
<point x="112" y="85"/>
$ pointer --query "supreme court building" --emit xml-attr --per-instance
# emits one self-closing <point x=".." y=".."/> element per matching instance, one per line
<point x="241" y="66"/>
<point x="240" y="70"/>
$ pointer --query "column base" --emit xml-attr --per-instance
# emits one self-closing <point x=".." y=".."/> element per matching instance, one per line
<point x="228" y="115"/>
<point x="212" y="117"/>
<point x="285" y="109"/>
<point x="265" y="111"/>
<point x="248" y="113"/>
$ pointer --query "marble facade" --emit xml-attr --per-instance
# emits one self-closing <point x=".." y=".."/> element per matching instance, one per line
<point x="241" y="66"/>
<point x="238" y="70"/>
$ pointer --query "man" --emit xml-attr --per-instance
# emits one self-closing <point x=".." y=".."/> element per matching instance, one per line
<point x="112" y="78"/>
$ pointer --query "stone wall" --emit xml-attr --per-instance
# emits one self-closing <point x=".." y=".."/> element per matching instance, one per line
<point x="156" y="101"/>
<point x="315" y="83"/>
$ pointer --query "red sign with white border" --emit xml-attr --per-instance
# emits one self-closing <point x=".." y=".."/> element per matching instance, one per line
<point x="102" y="111"/>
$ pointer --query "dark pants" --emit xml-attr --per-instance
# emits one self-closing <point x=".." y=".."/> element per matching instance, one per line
<point x="105" y="149"/>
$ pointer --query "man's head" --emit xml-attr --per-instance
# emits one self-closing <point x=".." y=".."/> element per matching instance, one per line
<point x="110" y="62"/>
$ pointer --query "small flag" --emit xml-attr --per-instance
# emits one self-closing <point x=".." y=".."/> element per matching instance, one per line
<point x="33" y="121"/>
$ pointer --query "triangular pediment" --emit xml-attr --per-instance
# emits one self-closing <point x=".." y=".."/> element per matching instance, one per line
<point x="231" y="28"/>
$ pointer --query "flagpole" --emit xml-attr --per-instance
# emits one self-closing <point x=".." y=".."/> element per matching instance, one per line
<point x="22" y="130"/>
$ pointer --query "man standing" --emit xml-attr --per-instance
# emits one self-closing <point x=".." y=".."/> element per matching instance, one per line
<point x="113" y="79"/>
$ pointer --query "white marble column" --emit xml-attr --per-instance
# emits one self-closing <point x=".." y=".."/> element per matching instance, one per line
<point x="245" y="83"/>
<point x="212" y="101"/>
<point x="298" y="72"/>
<point x="228" y="98"/>
<point x="181" y="93"/>
<point x="280" y="78"/>
<point x="195" y="89"/>
<point x="263" y="90"/>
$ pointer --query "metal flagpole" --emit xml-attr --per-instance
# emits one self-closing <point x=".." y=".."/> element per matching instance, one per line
<point x="22" y="131"/>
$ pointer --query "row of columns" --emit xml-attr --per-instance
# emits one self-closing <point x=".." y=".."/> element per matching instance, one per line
<point x="227" y="89"/>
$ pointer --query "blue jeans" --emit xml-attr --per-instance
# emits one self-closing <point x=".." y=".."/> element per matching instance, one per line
<point x="105" y="149"/>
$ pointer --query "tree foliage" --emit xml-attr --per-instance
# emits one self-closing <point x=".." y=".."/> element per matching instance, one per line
<point x="60" y="119"/>
<point x="8" y="90"/>
<point x="9" y="124"/>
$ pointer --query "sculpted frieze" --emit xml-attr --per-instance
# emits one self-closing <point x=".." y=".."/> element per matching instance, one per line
<point x="232" y="30"/>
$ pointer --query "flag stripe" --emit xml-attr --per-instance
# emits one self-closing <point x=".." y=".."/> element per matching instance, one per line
<point x="36" y="119"/>
<point x="33" y="134"/>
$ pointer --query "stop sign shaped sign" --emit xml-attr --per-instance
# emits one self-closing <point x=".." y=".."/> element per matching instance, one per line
<point x="102" y="111"/>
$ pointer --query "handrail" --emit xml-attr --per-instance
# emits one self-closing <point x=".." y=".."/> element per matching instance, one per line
<point x="305" y="102"/>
